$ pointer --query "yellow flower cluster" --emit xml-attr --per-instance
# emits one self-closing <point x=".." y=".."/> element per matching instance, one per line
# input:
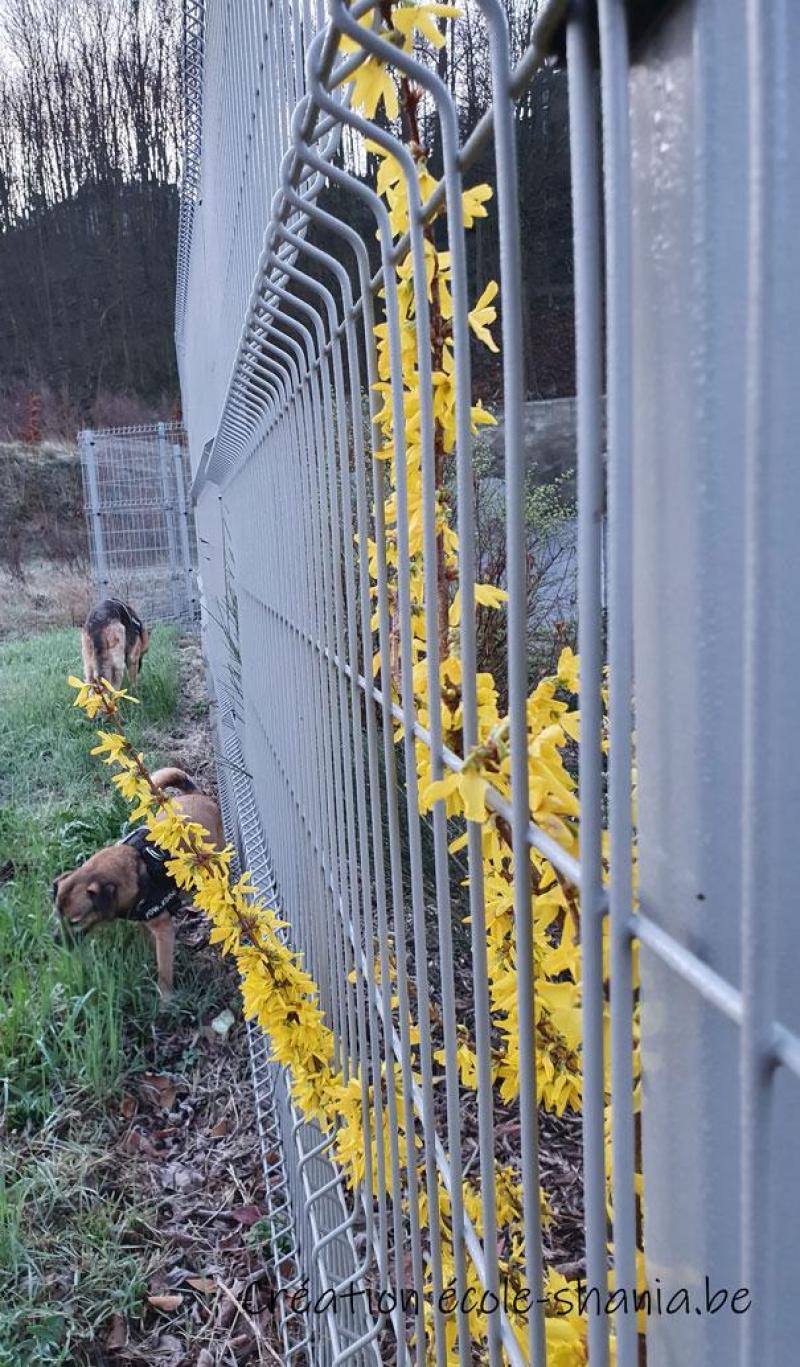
<point x="553" y="721"/>
<point x="279" y="994"/>
<point x="276" y="989"/>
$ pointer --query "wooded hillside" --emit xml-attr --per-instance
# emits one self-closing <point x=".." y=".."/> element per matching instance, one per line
<point x="89" y="136"/>
<point x="90" y="131"/>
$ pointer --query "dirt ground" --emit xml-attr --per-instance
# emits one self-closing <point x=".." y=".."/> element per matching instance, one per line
<point x="186" y="1133"/>
<point x="189" y="742"/>
<point x="185" y="1139"/>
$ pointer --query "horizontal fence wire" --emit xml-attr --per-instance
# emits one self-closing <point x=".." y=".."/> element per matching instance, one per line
<point x="142" y="540"/>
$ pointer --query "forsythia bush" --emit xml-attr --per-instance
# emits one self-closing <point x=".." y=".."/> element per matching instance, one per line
<point x="276" y="989"/>
<point x="281" y="996"/>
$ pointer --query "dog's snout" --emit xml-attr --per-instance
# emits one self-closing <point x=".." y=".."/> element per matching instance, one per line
<point x="66" y="932"/>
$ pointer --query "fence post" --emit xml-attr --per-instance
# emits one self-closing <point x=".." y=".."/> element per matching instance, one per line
<point x="717" y="577"/>
<point x="169" y="511"/>
<point x="97" y="545"/>
<point x="183" y="532"/>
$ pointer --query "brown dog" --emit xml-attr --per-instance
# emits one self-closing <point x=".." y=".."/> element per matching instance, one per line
<point x="128" y="881"/>
<point x="113" y="639"/>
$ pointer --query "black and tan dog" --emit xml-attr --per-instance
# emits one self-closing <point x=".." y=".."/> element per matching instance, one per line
<point x="113" y="639"/>
<point x="129" y="882"/>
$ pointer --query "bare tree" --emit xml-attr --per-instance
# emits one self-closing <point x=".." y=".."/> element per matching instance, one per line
<point x="89" y="137"/>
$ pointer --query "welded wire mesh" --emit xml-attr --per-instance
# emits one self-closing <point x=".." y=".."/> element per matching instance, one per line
<point x="290" y="489"/>
<point x="304" y="1194"/>
<point x="192" y="97"/>
<point x="307" y="587"/>
<point x="141" y="529"/>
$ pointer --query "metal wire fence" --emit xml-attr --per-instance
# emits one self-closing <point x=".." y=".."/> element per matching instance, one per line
<point x="290" y="488"/>
<point x="323" y="573"/>
<point x="141" y="530"/>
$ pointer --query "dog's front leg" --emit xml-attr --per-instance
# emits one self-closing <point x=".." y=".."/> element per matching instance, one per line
<point x="162" y="930"/>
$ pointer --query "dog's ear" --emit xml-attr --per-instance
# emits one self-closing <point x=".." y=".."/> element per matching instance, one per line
<point x="103" y="895"/>
<point x="56" y="882"/>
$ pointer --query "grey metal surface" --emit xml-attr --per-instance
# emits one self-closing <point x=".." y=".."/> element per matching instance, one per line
<point x="141" y="527"/>
<point x="715" y="184"/>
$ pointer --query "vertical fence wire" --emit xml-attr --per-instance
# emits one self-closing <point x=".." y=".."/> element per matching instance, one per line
<point x="589" y="379"/>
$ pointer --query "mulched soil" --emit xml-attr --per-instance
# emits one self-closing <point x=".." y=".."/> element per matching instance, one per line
<point x="188" y="1129"/>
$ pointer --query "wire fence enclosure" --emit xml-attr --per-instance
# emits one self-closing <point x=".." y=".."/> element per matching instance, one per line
<point x="518" y="999"/>
<point x="138" y="512"/>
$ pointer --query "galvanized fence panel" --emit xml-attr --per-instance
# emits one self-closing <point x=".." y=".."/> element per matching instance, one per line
<point x="140" y="519"/>
<point x="278" y="366"/>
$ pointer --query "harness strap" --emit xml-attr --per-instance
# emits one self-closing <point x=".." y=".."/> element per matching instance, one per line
<point x="162" y="894"/>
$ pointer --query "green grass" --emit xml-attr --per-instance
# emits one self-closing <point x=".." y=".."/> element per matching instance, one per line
<point x="71" y="1019"/>
<point x="68" y="1252"/>
<point x="61" y="1008"/>
<point x="43" y="740"/>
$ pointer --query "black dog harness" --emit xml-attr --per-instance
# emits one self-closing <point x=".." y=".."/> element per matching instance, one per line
<point x="157" y="891"/>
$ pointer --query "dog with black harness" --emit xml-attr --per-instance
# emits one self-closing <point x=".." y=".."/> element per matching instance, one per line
<point x="129" y="881"/>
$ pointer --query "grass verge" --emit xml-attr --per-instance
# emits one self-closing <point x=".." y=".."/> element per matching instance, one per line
<point x="73" y="1022"/>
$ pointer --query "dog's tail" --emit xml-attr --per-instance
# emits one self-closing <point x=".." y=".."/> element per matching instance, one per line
<point x="174" y="778"/>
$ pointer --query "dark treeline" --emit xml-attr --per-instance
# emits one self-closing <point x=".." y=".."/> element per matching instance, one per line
<point x="542" y="117"/>
<point x="89" y="130"/>
<point x="545" y="204"/>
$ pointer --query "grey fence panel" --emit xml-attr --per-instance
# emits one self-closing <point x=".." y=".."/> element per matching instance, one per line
<point x="141" y="530"/>
<point x="306" y="576"/>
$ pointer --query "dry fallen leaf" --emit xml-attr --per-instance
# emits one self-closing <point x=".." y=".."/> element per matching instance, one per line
<point x="161" y="1089"/>
<point x="221" y="1128"/>
<point x="117" y="1335"/>
<point x="179" y="1177"/>
<point x="128" y="1107"/>
<point x="169" y="1351"/>
<point x="206" y="1284"/>
<point x="248" y="1215"/>
<point x="167" y="1303"/>
<point x="222" y="1023"/>
<point x="137" y="1142"/>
